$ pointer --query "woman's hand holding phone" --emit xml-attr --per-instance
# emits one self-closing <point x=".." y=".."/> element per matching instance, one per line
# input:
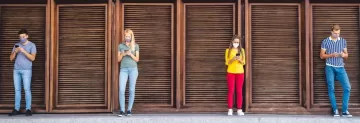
<point x="127" y="52"/>
<point x="123" y="53"/>
<point x="237" y="57"/>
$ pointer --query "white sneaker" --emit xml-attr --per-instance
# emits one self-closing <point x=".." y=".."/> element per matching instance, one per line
<point x="230" y="112"/>
<point x="240" y="112"/>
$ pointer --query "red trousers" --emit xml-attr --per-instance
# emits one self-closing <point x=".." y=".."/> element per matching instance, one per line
<point x="238" y="80"/>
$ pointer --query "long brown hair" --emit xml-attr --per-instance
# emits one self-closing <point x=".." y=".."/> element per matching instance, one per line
<point x="231" y="45"/>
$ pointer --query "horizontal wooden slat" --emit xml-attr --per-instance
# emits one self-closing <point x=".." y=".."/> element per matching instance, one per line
<point x="275" y="54"/>
<point x="323" y="18"/>
<point x="12" y="19"/>
<point x="81" y="54"/>
<point x="152" y="26"/>
<point x="209" y="29"/>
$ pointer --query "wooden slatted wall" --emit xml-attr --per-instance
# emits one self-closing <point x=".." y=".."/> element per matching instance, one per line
<point x="209" y="29"/>
<point x="153" y="29"/>
<point x="323" y="17"/>
<point x="12" y="19"/>
<point x="275" y="54"/>
<point x="81" y="56"/>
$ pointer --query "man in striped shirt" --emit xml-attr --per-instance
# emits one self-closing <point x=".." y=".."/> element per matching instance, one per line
<point x="334" y="50"/>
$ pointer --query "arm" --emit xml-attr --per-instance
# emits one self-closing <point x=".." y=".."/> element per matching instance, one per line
<point x="121" y="53"/>
<point x="323" y="55"/>
<point x="31" y="57"/>
<point x="227" y="59"/>
<point x="345" y="54"/>
<point x="32" y="54"/>
<point x="120" y="56"/>
<point x="242" y="59"/>
<point x="13" y="54"/>
<point x="136" y="56"/>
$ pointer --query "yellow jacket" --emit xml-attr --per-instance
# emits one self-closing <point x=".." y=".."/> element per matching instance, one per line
<point x="236" y="66"/>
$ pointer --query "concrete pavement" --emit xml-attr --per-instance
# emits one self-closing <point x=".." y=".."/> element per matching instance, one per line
<point x="174" y="118"/>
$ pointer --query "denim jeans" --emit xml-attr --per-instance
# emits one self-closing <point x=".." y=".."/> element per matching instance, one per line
<point x="132" y="74"/>
<point x="22" y="77"/>
<point x="341" y="75"/>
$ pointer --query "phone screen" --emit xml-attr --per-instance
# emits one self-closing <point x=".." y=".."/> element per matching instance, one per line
<point x="238" y="54"/>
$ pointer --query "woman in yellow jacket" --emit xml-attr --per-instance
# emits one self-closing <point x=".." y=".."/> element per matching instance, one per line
<point x="235" y="61"/>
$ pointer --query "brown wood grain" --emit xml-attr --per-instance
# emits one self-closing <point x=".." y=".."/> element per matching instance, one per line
<point x="307" y="65"/>
<point x="82" y="60"/>
<point x="183" y="86"/>
<point x="115" y="65"/>
<point x="12" y="20"/>
<point x="209" y="29"/>
<point x="275" y="42"/>
<point x="53" y="49"/>
<point x="248" y="71"/>
<point x="152" y="25"/>
<point x="322" y="20"/>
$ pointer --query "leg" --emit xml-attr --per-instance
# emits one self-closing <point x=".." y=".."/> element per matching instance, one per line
<point x="123" y="77"/>
<point x="330" y="75"/>
<point x="239" y="88"/>
<point x="17" y="86"/>
<point x="26" y="76"/>
<point x="231" y="85"/>
<point x="345" y="83"/>
<point x="133" y="75"/>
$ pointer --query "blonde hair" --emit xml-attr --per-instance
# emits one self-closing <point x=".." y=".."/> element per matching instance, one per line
<point x="132" y="43"/>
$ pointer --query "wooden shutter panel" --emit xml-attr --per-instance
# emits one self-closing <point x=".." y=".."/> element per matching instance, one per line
<point x="275" y="54"/>
<point x="152" y="27"/>
<point x="209" y="29"/>
<point x="323" y="18"/>
<point x="81" y="56"/>
<point x="12" y="19"/>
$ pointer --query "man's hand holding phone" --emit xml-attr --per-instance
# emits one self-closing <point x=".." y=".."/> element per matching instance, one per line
<point x="16" y="49"/>
<point x="337" y="54"/>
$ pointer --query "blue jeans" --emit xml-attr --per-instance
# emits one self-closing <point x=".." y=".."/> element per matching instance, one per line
<point x="23" y="76"/>
<point x="341" y="75"/>
<point x="132" y="74"/>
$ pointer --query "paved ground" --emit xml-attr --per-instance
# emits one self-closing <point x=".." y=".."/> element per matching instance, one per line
<point x="174" y="118"/>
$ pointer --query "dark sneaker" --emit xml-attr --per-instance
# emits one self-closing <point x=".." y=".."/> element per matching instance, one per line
<point x="28" y="113"/>
<point x="346" y="114"/>
<point x="336" y="113"/>
<point x="128" y="113"/>
<point x="14" y="112"/>
<point x="121" y="114"/>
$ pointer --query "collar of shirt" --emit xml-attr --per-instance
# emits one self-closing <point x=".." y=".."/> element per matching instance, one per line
<point x="334" y="40"/>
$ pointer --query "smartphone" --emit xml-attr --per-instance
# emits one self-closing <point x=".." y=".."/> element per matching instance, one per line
<point x="237" y="54"/>
<point x="16" y="46"/>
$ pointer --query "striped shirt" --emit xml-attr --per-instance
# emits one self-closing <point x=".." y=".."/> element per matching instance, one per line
<point x="332" y="46"/>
